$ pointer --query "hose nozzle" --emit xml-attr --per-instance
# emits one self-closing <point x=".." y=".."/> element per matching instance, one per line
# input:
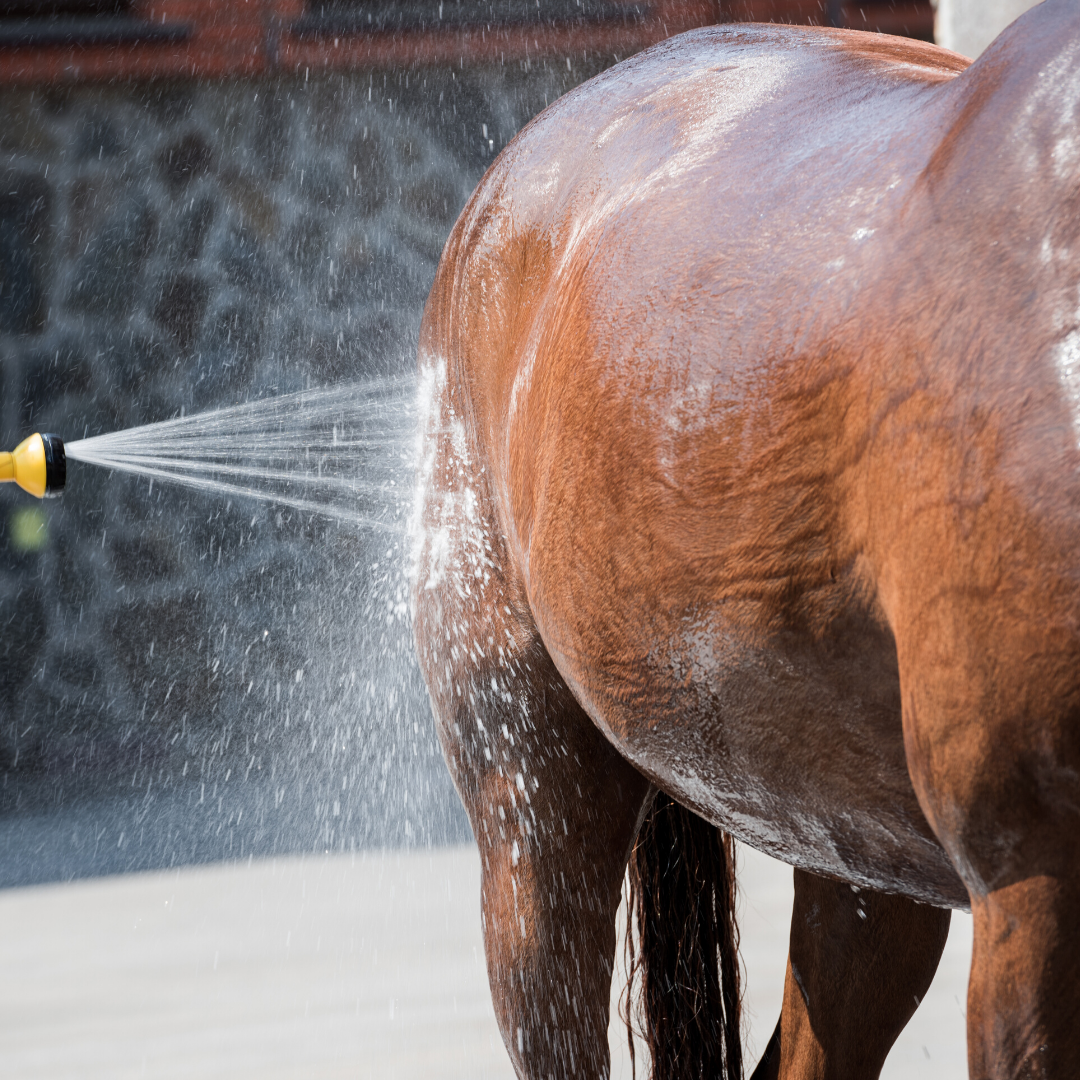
<point x="38" y="465"/>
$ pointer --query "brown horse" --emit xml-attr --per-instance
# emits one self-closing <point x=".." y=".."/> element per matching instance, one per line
<point x="750" y="476"/>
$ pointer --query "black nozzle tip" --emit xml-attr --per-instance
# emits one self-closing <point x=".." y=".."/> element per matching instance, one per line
<point x="55" y="464"/>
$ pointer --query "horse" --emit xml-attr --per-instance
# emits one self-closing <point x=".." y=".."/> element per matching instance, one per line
<point x="747" y="506"/>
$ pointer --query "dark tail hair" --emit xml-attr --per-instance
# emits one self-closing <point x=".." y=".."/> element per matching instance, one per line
<point x="681" y="909"/>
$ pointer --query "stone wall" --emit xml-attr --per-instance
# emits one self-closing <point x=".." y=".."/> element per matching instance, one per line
<point x="168" y="247"/>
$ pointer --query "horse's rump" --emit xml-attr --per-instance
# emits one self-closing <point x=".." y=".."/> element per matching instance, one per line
<point x="670" y="472"/>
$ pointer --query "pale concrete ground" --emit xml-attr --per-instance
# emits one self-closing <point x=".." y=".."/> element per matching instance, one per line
<point x="968" y="26"/>
<point x="366" y="966"/>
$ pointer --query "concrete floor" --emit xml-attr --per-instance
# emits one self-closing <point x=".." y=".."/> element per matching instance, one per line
<point x="366" y="966"/>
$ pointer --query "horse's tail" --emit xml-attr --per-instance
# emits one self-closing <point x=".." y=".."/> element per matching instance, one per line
<point x="681" y="911"/>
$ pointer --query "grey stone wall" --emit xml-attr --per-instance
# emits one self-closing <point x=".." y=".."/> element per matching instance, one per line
<point x="182" y="660"/>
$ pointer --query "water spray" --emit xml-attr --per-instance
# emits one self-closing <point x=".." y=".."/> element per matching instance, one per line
<point x="341" y="452"/>
<point x="38" y="465"/>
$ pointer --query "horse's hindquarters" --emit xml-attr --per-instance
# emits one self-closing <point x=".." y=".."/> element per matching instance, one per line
<point x="699" y="377"/>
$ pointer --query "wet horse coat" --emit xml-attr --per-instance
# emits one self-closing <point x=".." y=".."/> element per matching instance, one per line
<point x="750" y="473"/>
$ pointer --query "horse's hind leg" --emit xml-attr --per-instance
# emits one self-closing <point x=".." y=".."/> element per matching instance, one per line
<point x="554" y="810"/>
<point x="859" y="963"/>
<point x="1003" y="794"/>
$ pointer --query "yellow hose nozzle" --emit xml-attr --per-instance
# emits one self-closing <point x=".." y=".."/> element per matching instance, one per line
<point x="38" y="465"/>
